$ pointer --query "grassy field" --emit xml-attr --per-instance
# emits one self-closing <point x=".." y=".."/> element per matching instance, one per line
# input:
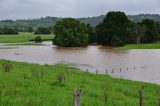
<point x="22" y="37"/>
<point x="141" y="46"/>
<point x="38" y="85"/>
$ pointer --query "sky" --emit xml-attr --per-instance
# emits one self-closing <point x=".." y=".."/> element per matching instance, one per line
<point x="29" y="9"/>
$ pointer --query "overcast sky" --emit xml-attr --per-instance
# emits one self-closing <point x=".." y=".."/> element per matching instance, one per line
<point x="23" y="9"/>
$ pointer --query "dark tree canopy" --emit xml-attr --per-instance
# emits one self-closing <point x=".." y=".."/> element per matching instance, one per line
<point x="114" y="29"/>
<point x="151" y="33"/>
<point x="43" y="30"/>
<point x="70" y="33"/>
<point x="91" y="34"/>
<point x="8" y="31"/>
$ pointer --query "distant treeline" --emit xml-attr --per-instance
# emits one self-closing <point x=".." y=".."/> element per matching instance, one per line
<point x="25" y="25"/>
<point x="115" y="30"/>
<point x="8" y="30"/>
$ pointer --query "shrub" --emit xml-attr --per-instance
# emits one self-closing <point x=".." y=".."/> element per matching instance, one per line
<point x="38" y="39"/>
<point x="60" y="77"/>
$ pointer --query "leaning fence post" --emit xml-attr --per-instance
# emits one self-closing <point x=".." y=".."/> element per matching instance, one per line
<point x="77" y="95"/>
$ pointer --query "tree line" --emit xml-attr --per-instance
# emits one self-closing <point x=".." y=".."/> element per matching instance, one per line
<point x="115" y="30"/>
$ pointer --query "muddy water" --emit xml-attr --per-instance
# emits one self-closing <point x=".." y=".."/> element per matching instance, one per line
<point x="139" y="65"/>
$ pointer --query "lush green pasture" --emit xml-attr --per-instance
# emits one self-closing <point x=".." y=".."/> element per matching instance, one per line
<point x="140" y="46"/>
<point x="37" y="85"/>
<point x="22" y="37"/>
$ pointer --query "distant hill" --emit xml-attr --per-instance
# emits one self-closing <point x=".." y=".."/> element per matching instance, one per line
<point x="140" y="17"/>
<point x="51" y="21"/>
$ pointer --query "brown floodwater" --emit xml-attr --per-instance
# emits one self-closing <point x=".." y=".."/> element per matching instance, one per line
<point x="138" y="64"/>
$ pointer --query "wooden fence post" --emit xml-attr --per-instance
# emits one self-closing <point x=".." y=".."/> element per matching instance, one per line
<point x="87" y="70"/>
<point x="96" y="71"/>
<point x="141" y="96"/>
<point x="77" y="96"/>
<point x="127" y="68"/>
<point x="113" y="70"/>
<point x="134" y="67"/>
<point x="106" y="72"/>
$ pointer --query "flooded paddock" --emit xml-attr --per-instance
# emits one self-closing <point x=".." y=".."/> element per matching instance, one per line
<point x="137" y="64"/>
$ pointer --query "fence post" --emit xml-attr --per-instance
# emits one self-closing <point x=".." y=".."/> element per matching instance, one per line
<point x="113" y="70"/>
<point x="106" y="72"/>
<point x="127" y="68"/>
<point x="141" y="96"/>
<point x="134" y="67"/>
<point x="87" y="70"/>
<point x="77" y="96"/>
<point x="96" y="71"/>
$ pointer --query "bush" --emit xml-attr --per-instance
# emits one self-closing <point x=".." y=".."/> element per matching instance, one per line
<point x="70" y="33"/>
<point x="60" y="78"/>
<point x="7" y="66"/>
<point x="38" y="39"/>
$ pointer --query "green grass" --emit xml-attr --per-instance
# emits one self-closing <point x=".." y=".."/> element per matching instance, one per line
<point x="141" y="46"/>
<point x="22" y="37"/>
<point x="24" y="44"/>
<point x="36" y="85"/>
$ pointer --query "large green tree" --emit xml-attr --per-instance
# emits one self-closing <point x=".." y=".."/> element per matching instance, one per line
<point x="114" y="30"/>
<point x="70" y="33"/>
<point x="151" y="33"/>
<point x="92" y="38"/>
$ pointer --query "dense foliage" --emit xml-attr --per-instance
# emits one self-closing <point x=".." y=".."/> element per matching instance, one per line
<point x="43" y="30"/>
<point x="92" y="37"/>
<point x="114" y="29"/>
<point x="8" y="31"/>
<point x="151" y="32"/>
<point x="70" y="33"/>
<point x="24" y="25"/>
<point x="117" y="30"/>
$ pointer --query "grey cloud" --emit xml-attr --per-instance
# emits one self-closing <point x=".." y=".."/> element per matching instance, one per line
<point x="13" y="9"/>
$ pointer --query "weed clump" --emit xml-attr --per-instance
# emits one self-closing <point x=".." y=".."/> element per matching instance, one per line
<point x="7" y="66"/>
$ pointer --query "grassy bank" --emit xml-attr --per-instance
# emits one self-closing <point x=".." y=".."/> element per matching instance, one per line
<point x="141" y="46"/>
<point x="22" y="37"/>
<point x="38" y="85"/>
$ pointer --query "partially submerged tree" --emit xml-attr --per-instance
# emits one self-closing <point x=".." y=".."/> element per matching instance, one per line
<point x="70" y="33"/>
<point x="114" y="30"/>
